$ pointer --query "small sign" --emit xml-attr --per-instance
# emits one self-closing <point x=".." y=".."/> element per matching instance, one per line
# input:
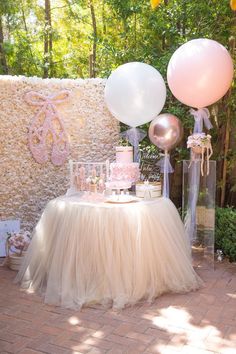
<point x="149" y="169"/>
<point x="5" y="227"/>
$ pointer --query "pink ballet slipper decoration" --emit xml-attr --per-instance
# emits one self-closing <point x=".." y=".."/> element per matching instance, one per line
<point x="47" y="121"/>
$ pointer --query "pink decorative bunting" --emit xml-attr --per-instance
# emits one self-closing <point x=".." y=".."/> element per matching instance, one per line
<point x="47" y="121"/>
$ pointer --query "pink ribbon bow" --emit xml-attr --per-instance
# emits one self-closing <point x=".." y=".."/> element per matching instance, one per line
<point x="48" y="122"/>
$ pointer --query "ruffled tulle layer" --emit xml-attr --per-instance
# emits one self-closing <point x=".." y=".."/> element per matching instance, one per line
<point x="84" y="253"/>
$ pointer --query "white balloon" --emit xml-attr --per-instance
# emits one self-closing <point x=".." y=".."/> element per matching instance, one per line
<point x="135" y="93"/>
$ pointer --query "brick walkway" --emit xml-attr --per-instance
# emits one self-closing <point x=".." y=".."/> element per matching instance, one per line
<point x="199" y="322"/>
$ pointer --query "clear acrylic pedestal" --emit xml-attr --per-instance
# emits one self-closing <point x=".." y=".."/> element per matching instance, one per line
<point x="198" y="209"/>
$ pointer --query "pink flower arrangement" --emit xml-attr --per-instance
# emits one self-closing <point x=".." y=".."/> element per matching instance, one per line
<point x="198" y="139"/>
<point x="18" y="241"/>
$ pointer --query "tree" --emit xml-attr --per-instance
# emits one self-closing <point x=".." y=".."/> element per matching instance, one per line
<point x="48" y="64"/>
<point x="3" y="59"/>
<point x="93" y="56"/>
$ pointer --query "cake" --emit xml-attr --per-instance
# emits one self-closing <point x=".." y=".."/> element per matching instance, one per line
<point x="148" y="190"/>
<point x="124" y="171"/>
<point x="124" y="154"/>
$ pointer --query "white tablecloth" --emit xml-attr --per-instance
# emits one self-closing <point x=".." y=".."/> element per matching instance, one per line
<point x="85" y="252"/>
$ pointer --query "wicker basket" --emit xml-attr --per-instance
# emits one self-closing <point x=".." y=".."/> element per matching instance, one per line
<point x="14" y="260"/>
<point x="197" y="149"/>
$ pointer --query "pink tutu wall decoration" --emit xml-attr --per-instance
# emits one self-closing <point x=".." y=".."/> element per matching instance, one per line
<point x="47" y="122"/>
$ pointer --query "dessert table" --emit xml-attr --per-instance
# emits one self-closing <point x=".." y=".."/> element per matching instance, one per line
<point x="97" y="252"/>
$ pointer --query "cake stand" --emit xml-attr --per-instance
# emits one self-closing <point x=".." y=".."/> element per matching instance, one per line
<point x="120" y="193"/>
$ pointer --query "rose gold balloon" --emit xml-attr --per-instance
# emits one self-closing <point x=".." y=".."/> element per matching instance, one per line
<point x="165" y="131"/>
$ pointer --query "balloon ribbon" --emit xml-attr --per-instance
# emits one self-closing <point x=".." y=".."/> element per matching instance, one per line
<point x="134" y="136"/>
<point x="166" y="168"/>
<point x="201" y="117"/>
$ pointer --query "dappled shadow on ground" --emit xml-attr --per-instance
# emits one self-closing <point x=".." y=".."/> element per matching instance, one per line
<point x="198" y="322"/>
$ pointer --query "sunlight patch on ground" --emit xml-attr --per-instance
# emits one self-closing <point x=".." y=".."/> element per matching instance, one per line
<point x="233" y="296"/>
<point x="30" y="291"/>
<point x="177" y="322"/>
<point x="172" y="316"/>
<point x="73" y="320"/>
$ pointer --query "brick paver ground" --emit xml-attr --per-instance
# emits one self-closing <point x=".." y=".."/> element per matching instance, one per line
<point x="199" y="322"/>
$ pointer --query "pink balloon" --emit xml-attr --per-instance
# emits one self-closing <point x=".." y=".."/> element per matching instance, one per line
<point x="200" y="72"/>
<point x="165" y="131"/>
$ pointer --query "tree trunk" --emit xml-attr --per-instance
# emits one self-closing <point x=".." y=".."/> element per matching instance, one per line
<point x="27" y="32"/>
<point x="135" y="32"/>
<point x="3" y="60"/>
<point x="48" y="65"/>
<point x="92" y="66"/>
<point x="104" y="26"/>
<point x="226" y="148"/>
<point x="163" y="37"/>
<point x="91" y="71"/>
<point x="231" y="197"/>
<point x="227" y="134"/>
<point x="184" y="18"/>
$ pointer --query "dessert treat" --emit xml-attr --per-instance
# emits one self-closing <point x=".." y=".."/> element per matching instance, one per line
<point x="124" y="172"/>
<point x="124" y="169"/>
<point x="124" y="154"/>
<point x="148" y="191"/>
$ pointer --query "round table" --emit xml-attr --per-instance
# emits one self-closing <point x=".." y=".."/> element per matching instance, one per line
<point x="97" y="252"/>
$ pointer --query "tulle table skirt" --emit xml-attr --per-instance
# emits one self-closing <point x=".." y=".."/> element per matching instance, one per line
<point x="85" y="252"/>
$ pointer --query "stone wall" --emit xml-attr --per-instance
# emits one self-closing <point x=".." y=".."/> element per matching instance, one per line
<point x="25" y="185"/>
